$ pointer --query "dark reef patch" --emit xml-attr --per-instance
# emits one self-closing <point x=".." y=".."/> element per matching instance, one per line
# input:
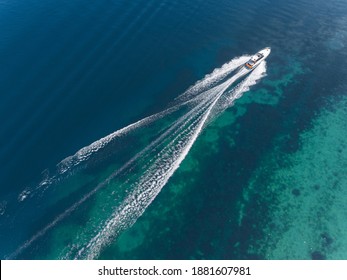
<point x="316" y="255"/>
<point x="296" y="192"/>
<point x="327" y="240"/>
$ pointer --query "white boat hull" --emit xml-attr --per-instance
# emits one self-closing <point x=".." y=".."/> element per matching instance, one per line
<point x="256" y="59"/>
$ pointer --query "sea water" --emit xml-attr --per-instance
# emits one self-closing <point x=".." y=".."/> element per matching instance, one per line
<point x="264" y="179"/>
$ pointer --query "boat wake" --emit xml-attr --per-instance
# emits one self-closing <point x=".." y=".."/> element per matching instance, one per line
<point x="130" y="166"/>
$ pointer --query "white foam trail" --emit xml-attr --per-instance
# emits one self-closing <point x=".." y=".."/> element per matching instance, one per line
<point x="146" y="190"/>
<point x="72" y="208"/>
<point x="69" y="164"/>
<point x="168" y="151"/>
<point x="212" y="79"/>
<point x="230" y="96"/>
<point x="158" y="173"/>
<point x="171" y="131"/>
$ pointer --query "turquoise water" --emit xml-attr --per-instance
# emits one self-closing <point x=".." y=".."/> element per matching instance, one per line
<point x="264" y="177"/>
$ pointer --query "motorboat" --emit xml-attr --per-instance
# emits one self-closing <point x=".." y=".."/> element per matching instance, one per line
<point x="255" y="60"/>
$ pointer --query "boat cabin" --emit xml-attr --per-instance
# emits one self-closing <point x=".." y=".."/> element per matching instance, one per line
<point x="254" y="59"/>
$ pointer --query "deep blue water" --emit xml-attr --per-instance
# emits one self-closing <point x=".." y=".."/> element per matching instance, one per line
<point x="75" y="71"/>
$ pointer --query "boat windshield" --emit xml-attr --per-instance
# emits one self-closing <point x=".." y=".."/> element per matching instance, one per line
<point x="258" y="56"/>
<point x="251" y="62"/>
